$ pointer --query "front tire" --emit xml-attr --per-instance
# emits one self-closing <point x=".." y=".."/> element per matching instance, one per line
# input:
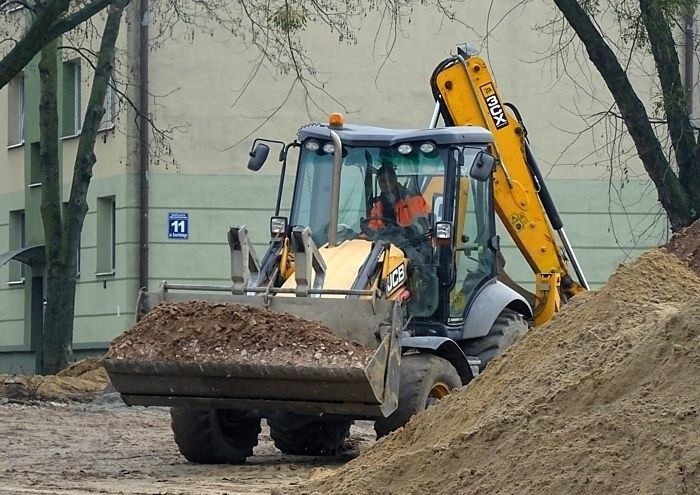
<point x="214" y="436"/>
<point x="425" y="379"/>
<point x="505" y="331"/>
<point x="300" y="434"/>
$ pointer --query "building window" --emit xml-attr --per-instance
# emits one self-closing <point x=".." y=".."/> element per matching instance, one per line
<point x="72" y="109"/>
<point x="106" y="235"/>
<point x="34" y="164"/>
<point x="110" y="116"/>
<point x="18" y="240"/>
<point x="15" y="114"/>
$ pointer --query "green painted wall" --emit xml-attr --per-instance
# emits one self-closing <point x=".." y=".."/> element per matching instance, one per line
<point x="214" y="203"/>
<point x="604" y="230"/>
<point x="12" y="311"/>
<point x="104" y="304"/>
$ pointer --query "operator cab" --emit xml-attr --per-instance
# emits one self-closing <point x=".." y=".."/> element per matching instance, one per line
<point x="442" y="177"/>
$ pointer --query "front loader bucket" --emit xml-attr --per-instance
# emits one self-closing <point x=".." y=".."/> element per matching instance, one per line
<point x="369" y="392"/>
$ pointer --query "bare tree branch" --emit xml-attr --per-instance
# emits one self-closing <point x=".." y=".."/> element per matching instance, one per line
<point x="671" y="193"/>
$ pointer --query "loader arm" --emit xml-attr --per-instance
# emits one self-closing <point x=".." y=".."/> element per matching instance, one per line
<point x="467" y="95"/>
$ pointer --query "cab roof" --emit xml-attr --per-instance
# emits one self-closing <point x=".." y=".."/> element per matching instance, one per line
<point x="360" y="135"/>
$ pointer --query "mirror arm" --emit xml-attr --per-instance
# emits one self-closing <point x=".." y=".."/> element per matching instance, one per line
<point x="264" y="140"/>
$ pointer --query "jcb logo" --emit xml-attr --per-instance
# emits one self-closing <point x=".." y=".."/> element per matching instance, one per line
<point x="495" y="108"/>
<point x="395" y="278"/>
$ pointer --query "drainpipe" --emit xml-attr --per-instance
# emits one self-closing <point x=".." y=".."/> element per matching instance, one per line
<point x="688" y="54"/>
<point x="143" y="144"/>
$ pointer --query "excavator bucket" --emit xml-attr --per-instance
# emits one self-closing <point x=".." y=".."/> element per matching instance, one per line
<point x="370" y="392"/>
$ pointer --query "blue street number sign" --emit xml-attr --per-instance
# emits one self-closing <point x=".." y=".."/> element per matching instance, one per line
<point x="178" y="225"/>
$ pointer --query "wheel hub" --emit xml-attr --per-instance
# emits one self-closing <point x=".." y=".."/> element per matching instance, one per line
<point x="439" y="391"/>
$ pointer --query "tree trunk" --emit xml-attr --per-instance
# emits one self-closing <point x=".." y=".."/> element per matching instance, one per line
<point x="663" y="48"/>
<point x="60" y="284"/>
<point x="672" y="195"/>
<point x="58" y="318"/>
<point x="62" y="231"/>
<point x="85" y="158"/>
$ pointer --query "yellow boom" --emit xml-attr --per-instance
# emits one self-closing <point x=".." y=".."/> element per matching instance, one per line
<point x="467" y="95"/>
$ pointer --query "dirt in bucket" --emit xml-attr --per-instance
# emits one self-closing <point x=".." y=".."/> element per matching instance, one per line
<point x="200" y="331"/>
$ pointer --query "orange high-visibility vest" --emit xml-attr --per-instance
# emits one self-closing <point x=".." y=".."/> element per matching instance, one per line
<point x="406" y="210"/>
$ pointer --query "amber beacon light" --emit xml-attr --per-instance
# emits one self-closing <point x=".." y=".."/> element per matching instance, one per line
<point x="336" y="120"/>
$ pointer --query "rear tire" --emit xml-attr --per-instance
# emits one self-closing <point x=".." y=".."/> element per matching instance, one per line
<point x="425" y="379"/>
<point x="506" y="330"/>
<point x="300" y="434"/>
<point x="214" y="436"/>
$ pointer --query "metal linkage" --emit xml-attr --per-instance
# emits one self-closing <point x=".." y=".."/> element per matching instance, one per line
<point x="248" y="278"/>
<point x="245" y="265"/>
<point x="310" y="269"/>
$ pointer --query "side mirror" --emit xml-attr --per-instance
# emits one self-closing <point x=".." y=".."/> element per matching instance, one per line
<point x="482" y="167"/>
<point x="258" y="157"/>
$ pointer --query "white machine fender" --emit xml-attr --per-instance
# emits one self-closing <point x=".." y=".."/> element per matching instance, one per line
<point x="445" y="348"/>
<point x="488" y="304"/>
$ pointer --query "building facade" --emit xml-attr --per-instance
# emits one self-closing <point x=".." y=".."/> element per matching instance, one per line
<point x="202" y="96"/>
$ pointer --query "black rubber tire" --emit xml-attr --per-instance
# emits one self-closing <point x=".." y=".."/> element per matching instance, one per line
<point x="505" y="331"/>
<point x="420" y="374"/>
<point x="300" y="434"/>
<point x="214" y="436"/>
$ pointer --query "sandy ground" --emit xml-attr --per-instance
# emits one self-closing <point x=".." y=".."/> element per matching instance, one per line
<point x="108" y="448"/>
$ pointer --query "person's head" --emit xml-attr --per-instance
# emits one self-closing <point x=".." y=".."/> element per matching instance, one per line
<point x="386" y="176"/>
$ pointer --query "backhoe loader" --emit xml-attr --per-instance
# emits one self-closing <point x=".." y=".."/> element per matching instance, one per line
<point x="433" y="301"/>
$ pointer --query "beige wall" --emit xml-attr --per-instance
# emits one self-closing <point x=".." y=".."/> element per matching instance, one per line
<point x="196" y="84"/>
<point x="11" y="168"/>
<point x="201" y="81"/>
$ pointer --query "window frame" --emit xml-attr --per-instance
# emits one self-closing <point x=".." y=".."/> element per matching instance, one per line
<point x="72" y="116"/>
<point x="16" y="110"/>
<point x="18" y="240"/>
<point x="106" y="241"/>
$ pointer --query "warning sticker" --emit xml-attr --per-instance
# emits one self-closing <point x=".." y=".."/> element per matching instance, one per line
<point x="518" y="221"/>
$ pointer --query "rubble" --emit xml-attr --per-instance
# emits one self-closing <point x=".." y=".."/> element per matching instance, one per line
<point x="200" y="331"/>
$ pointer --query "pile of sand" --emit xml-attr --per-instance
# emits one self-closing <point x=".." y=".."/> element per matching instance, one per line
<point x="82" y="380"/>
<point x="603" y="399"/>
<point x="232" y="333"/>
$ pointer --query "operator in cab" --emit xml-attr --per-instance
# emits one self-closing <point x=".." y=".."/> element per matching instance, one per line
<point x="397" y="207"/>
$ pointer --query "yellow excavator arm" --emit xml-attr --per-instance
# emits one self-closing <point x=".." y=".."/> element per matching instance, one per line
<point x="467" y="95"/>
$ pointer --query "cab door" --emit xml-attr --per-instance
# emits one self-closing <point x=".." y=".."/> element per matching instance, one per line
<point x="474" y="240"/>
